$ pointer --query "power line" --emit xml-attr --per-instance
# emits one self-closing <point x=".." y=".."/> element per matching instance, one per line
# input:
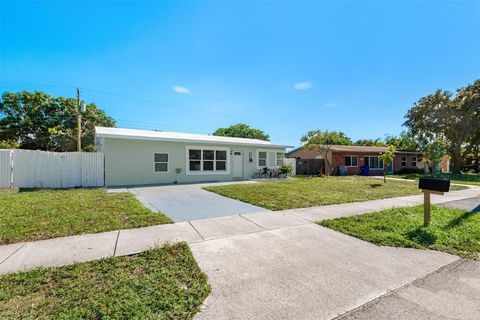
<point x="156" y="125"/>
<point x="135" y="98"/>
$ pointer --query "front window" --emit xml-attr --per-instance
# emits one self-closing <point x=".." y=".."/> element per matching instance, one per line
<point x="195" y="160"/>
<point x="374" y="162"/>
<point x="414" y="161"/>
<point x="221" y="160"/>
<point x="262" y="158"/>
<point x="280" y="157"/>
<point x="351" y="161"/>
<point x="207" y="160"/>
<point x="404" y="161"/>
<point x="160" y="162"/>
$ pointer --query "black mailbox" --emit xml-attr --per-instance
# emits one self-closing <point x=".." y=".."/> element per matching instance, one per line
<point x="434" y="184"/>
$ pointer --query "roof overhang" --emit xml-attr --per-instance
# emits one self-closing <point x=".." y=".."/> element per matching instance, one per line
<point x="143" y="135"/>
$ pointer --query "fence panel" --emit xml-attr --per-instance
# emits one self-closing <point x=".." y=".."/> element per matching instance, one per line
<point x="43" y="169"/>
<point x="92" y="169"/>
<point x="5" y="169"/>
<point x="310" y="166"/>
<point x="293" y="163"/>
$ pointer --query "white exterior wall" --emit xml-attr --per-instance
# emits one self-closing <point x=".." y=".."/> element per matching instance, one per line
<point x="42" y="169"/>
<point x="130" y="161"/>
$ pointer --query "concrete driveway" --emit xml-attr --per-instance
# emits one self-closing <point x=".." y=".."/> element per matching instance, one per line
<point x="303" y="272"/>
<point x="191" y="202"/>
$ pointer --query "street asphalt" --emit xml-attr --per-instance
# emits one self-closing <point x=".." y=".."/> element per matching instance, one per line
<point x="453" y="292"/>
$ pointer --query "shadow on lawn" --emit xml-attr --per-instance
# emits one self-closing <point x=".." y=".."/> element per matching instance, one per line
<point x="460" y="219"/>
<point x="422" y="236"/>
<point x="376" y="185"/>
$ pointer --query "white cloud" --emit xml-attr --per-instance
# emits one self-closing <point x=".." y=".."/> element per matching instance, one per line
<point x="304" y="85"/>
<point x="330" y="105"/>
<point x="182" y="90"/>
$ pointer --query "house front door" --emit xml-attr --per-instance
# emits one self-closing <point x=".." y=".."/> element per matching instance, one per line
<point x="237" y="163"/>
<point x="390" y="168"/>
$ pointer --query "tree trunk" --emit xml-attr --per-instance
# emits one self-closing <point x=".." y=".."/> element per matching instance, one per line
<point x="385" y="172"/>
<point x="456" y="155"/>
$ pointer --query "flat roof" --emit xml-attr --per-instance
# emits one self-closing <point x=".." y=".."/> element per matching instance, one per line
<point x="124" y="133"/>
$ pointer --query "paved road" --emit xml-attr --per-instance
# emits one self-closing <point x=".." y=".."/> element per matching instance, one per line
<point x="470" y="204"/>
<point x="191" y="202"/>
<point x="451" y="293"/>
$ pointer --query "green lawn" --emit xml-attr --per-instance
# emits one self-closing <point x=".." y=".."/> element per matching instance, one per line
<point x="302" y="192"/>
<point x="31" y="214"/>
<point x="452" y="230"/>
<point x="162" y="283"/>
<point x="464" y="178"/>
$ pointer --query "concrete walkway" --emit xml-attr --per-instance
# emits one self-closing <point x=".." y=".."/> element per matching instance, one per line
<point x="67" y="250"/>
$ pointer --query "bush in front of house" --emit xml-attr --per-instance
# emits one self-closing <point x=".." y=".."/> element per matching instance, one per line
<point x="410" y="170"/>
<point x="285" y="169"/>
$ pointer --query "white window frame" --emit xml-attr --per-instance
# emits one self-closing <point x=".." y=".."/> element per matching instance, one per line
<point x="267" y="159"/>
<point x="414" y="161"/>
<point x="406" y="161"/>
<point x="202" y="148"/>
<point x="351" y="156"/>
<point x="379" y="162"/>
<point x="168" y="162"/>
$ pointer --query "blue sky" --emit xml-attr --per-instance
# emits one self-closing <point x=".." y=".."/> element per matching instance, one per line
<point x="283" y="67"/>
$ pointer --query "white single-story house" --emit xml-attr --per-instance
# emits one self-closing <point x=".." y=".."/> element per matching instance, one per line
<point x="143" y="157"/>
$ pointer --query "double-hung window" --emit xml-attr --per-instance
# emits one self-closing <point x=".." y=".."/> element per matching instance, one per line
<point x="374" y="162"/>
<point x="160" y="162"/>
<point x="414" y="161"/>
<point x="280" y="157"/>
<point x="220" y="160"/>
<point x="351" y="161"/>
<point x="262" y="158"/>
<point x="404" y="161"/>
<point x="207" y="160"/>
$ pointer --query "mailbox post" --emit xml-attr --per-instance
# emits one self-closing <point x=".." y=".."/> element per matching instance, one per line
<point x="429" y="186"/>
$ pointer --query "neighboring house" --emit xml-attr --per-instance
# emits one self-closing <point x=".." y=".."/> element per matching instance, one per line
<point x="141" y="157"/>
<point x="353" y="158"/>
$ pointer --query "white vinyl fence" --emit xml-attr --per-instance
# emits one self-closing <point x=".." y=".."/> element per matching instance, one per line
<point x="43" y="169"/>
<point x="293" y="163"/>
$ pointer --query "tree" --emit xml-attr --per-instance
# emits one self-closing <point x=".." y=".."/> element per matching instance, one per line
<point x="36" y="120"/>
<point x="469" y="99"/>
<point x="322" y="141"/>
<point x="9" y="144"/>
<point x="405" y="141"/>
<point x="242" y="130"/>
<point x="451" y="119"/>
<point x="387" y="158"/>
<point x="433" y="153"/>
<point x="370" y="142"/>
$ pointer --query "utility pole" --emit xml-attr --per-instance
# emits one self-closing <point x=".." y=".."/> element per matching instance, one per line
<point x="79" y="123"/>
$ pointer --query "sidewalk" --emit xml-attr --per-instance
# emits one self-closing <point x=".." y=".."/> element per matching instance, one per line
<point x="61" y="251"/>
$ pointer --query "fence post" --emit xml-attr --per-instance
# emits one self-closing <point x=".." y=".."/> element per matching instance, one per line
<point x="11" y="157"/>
